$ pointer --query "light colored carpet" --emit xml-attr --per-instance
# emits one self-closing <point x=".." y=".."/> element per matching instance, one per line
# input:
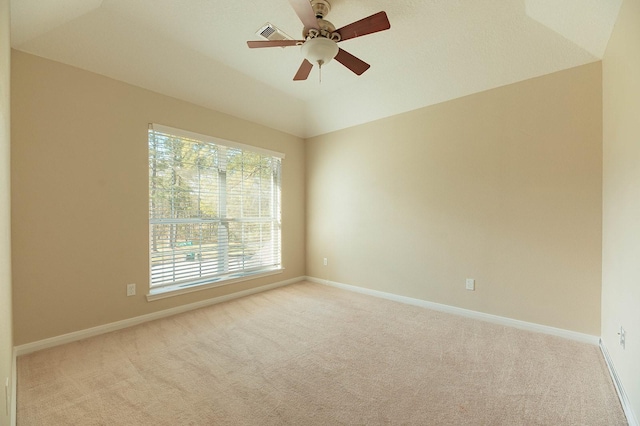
<point x="307" y="354"/>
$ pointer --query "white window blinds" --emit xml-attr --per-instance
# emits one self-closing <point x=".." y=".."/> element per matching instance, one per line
<point x="214" y="209"/>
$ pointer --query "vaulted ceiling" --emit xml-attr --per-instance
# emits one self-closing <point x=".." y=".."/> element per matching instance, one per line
<point x="196" y="50"/>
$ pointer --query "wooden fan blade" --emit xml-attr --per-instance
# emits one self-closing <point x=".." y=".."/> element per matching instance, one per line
<point x="369" y="25"/>
<point x="303" y="71"/>
<point x="305" y="12"/>
<point x="356" y="65"/>
<point x="273" y="43"/>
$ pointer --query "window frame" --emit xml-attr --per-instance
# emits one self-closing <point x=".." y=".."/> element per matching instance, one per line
<point x="168" y="289"/>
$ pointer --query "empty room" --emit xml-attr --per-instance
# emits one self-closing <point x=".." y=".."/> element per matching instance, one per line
<point x="319" y="212"/>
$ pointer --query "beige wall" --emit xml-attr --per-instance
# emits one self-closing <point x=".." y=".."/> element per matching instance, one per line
<point x="502" y="186"/>
<point x="621" y="197"/>
<point x="6" y="339"/>
<point x="80" y="195"/>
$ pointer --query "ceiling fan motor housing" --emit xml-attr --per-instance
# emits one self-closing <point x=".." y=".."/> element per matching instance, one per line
<point x="324" y="28"/>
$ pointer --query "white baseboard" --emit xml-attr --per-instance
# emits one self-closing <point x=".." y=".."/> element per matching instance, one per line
<point x="624" y="401"/>
<point x="567" y="334"/>
<point x="106" y="328"/>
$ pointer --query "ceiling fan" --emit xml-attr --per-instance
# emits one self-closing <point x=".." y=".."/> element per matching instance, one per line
<point x="321" y="37"/>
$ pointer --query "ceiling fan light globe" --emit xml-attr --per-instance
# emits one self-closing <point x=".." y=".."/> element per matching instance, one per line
<point x="319" y="50"/>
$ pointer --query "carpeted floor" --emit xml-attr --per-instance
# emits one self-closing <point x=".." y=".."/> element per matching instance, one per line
<point x="307" y="354"/>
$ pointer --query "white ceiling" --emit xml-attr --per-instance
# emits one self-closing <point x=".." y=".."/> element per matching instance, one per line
<point x="195" y="50"/>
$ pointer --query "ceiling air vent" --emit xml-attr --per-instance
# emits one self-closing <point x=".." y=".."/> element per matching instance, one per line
<point x="271" y="32"/>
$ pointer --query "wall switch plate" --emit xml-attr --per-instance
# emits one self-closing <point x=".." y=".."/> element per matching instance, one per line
<point x="325" y="262"/>
<point x="621" y="334"/>
<point x="470" y="284"/>
<point x="131" y="289"/>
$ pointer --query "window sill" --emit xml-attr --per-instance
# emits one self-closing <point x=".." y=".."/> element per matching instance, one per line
<point x="177" y="290"/>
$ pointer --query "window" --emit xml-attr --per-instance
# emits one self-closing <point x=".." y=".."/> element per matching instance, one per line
<point x="214" y="210"/>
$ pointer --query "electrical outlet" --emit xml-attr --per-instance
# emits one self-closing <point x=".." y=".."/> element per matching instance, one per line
<point x="131" y="289"/>
<point x="470" y="284"/>
<point x="325" y="262"/>
<point x="621" y="334"/>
